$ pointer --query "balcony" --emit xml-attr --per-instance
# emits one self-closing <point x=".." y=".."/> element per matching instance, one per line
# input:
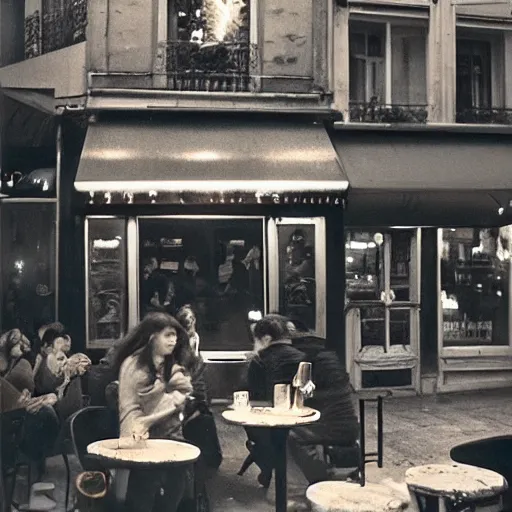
<point x="210" y="54"/>
<point x="55" y="29"/>
<point x="375" y="113"/>
<point x="502" y="116"/>
<point x="209" y="67"/>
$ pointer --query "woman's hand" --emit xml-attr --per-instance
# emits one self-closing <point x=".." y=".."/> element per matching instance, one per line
<point x="34" y="405"/>
<point x="181" y="382"/>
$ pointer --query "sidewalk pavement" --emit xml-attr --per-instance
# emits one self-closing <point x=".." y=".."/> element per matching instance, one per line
<point x="417" y="430"/>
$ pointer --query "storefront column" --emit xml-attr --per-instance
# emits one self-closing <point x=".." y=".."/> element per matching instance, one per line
<point x="441" y="62"/>
<point x="71" y="236"/>
<point x="429" y="300"/>
<point x="335" y="283"/>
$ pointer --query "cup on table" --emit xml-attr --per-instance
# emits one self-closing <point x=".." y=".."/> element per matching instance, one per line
<point x="241" y="400"/>
<point x="282" y="396"/>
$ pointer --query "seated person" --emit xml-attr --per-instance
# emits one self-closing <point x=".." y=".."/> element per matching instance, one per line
<point x="277" y="363"/>
<point x="157" y="390"/>
<point x="54" y="339"/>
<point x="41" y="425"/>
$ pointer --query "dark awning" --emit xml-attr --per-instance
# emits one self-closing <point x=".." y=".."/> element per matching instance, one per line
<point x="212" y="156"/>
<point x="426" y="178"/>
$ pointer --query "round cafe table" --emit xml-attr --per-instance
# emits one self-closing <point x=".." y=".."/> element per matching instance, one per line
<point x="150" y="454"/>
<point x="145" y="455"/>
<point x="279" y="425"/>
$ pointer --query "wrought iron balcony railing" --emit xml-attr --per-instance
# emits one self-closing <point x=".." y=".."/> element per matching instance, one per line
<point x="485" y="116"/>
<point x="55" y="29"/>
<point x="394" y="113"/>
<point x="211" y="67"/>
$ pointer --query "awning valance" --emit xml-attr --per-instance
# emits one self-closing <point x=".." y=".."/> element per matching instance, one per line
<point x="226" y="158"/>
<point x="426" y="178"/>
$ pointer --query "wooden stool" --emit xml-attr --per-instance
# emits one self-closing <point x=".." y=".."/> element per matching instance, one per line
<point x="445" y="487"/>
<point x="351" y="497"/>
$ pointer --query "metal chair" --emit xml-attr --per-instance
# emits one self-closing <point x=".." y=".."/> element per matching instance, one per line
<point x="86" y="426"/>
<point x="11" y="432"/>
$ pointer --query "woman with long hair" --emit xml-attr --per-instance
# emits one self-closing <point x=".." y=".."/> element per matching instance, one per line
<point x="159" y="379"/>
<point x="187" y="318"/>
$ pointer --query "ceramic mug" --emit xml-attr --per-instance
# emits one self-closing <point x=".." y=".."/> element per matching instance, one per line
<point x="282" y="396"/>
<point x="241" y="400"/>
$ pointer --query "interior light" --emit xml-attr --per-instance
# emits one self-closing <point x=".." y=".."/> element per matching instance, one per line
<point x="254" y="316"/>
<point x="501" y="210"/>
<point x="106" y="244"/>
<point x="350" y="259"/>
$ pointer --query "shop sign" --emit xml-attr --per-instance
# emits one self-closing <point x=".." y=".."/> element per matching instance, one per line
<point x="162" y="198"/>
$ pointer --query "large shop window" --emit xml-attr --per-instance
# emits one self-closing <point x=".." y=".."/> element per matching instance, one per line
<point x="215" y="265"/>
<point x="28" y="265"/>
<point x="106" y="281"/>
<point x="475" y="286"/>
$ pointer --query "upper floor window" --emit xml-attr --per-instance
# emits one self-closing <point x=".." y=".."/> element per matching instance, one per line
<point x="473" y="74"/>
<point x="53" y="24"/>
<point x="387" y="72"/>
<point x="208" y="47"/>
<point x="480" y="78"/>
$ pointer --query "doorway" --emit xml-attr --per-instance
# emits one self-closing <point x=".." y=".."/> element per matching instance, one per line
<point x="382" y="307"/>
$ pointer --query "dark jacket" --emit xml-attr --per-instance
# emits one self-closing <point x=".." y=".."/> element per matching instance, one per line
<point x="278" y="363"/>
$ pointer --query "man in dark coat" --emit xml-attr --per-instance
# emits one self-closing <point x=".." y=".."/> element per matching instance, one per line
<point x="338" y="425"/>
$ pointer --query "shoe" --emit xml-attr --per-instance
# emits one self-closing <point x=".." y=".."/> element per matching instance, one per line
<point x="264" y="479"/>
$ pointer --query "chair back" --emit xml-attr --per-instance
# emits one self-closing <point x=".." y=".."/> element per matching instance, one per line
<point x="11" y="430"/>
<point x="89" y="425"/>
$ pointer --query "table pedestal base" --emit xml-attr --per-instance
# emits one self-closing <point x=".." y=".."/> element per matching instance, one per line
<point x="279" y="437"/>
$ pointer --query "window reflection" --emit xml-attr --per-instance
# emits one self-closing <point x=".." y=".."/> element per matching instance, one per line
<point x="28" y="265"/>
<point x="297" y="283"/>
<point x="475" y="273"/>
<point x="215" y="265"/>
<point x="106" y="280"/>
<point x="364" y="265"/>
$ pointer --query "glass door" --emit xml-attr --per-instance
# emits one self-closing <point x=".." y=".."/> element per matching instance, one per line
<point x="382" y="307"/>
<point x="297" y="270"/>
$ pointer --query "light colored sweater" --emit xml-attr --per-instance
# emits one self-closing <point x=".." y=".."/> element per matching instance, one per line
<point x="157" y="402"/>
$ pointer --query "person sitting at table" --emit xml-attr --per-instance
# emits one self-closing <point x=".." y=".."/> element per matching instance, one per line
<point x="187" y="318"/>
<point x="159" y="383"/>
<point x="277" y="362"/>
<point x="54" y="340"/>
<point x="41" y="425"/>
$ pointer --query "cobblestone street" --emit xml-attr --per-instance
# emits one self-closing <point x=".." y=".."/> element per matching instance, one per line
<point x="417" y="431"/>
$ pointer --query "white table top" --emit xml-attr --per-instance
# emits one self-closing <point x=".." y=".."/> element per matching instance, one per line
<point x="446" y="479"/>
<point x="152" y="451"/>
<point x="351" y="497"/>
<point x="256" y="418"/>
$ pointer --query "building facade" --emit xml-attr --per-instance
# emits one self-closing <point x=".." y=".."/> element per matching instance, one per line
<point x="351" y="157"/>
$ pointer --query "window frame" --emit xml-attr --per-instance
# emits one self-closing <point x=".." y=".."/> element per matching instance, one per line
<point x="104" y="344"/>
<point x="215" y="356"/>
<point x="363" y="22"/>
<point x="495" y="38"/>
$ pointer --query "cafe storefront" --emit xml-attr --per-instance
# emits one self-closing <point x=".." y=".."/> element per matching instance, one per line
<point x="427" y="253"/>
<point x="235" y="216"/>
